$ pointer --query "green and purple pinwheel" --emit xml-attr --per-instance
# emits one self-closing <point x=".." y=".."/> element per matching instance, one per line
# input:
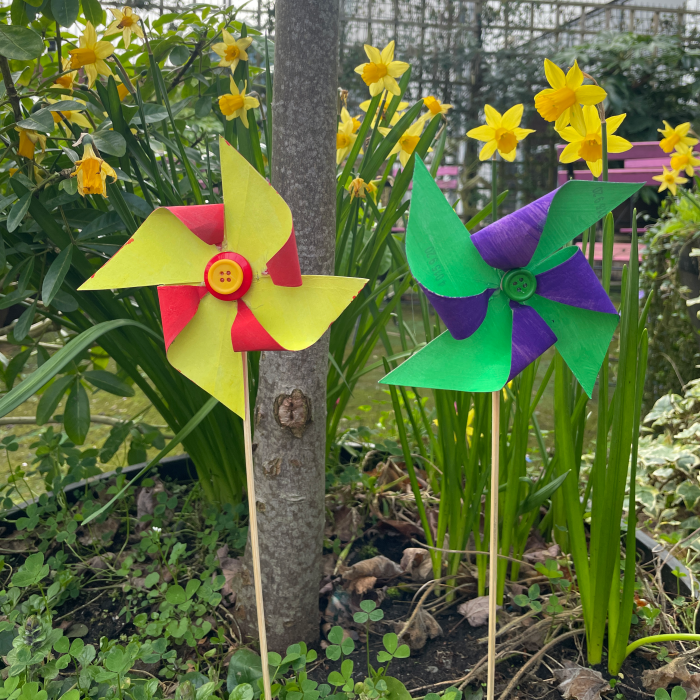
<point x="510" y="291"/>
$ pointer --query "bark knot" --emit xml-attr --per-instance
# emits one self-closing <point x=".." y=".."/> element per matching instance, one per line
<point x="293" y="411"/>
<point x="273" y="467"/>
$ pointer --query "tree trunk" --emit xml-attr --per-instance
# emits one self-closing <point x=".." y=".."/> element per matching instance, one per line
<point x="290" y="413"/>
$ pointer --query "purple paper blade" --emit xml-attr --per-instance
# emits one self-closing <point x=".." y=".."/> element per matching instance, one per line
<point x="574" y="283"/>
<point x="531" y="337"/>
<point x="461" y="315"/>
<point x="510" y="242"/>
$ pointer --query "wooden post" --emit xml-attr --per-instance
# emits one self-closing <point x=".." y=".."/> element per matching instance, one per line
<point x="253" y="524"/>
<point x="493" y="542"/>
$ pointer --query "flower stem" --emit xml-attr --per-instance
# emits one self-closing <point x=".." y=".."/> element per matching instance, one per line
<point x="494" y="189"/>
<point x="661" y="638"/>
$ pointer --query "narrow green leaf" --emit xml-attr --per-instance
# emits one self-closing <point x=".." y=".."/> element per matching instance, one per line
<point x="24" y="322"/>
<point x="56" y="274"/>
<point x="19" y="209"/>
<point x="76" y="418"/>
<point x="108" y="382"/>
<point x="51" y="398"/>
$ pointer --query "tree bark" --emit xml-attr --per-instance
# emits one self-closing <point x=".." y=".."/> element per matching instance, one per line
<point x="290" y="413"/>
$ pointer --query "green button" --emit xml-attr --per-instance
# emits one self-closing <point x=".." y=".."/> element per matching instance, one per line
<point x="519" y="285"/>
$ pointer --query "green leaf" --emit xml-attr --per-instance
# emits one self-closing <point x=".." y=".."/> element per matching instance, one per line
<point x="360" y="617"/>
<point x="334" y="678"/>
<point x="535" y="500"/>
<point x="56" y="274"/>
<point x="376" y="615"/>
<point x="335" y="636"/>
<point x="39" y="121"/>
<point x="244" y="667"/>
<point x="19" y="209"/>
<point x="93" y="12"/>
<point x="60" y="359"/>
<point x="202" y="107"/>
<point x="273" y="659"/>
<point x="679" y="693"/>
<point x="20" y="43"/>
<point x="31" y="572"/>
<point x="62" y="645"/>
<point x="151" y="579"/>
<point x="368" y="605"/>
<point x="348" y="646"/>
<point x="108" y="382"/>
<point x="391" y="642"/>
<point x="14" y="367"/>
<point x="243" y="691"/>
<point x="346" y="668"/>
<point x="24" y="322"/>
<point x="110" y="142"/>
<point x="384" y="657"/>
<point x="333" y="652"/>
<point x="403" y="652"/>
<point x="65" y="12"/>
<point x="76" y="418"/>
<point x="175" y="595"/>
<point x="396" y="689"/>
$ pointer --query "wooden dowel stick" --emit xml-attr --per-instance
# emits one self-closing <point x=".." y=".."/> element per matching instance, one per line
<point x="253" y="522"/>
<point x="493" y="542"/>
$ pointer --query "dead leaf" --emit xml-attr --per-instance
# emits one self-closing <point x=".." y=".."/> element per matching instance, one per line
<point x="346" y="523"/>
<point x="100" y="533"/>
<point x="541" y="555"/>
<point x="416" y="562"/>
<point x="675" y="672"/>
<point x="389" y="472"/>
<point x="230" y="568"/>
<point x="692" y="687"/>
<point x="76" y="630"/>
<point x="423" y="627"/>
<point x="380" y="567"/>
<point x="408" y="530"/>
<point x="146" y="501"/>
<point x="579" y="682"/>
<point x="476" y="610"/>
<point x="96" y="563"/>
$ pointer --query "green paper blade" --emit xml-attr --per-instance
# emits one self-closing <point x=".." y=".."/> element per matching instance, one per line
<point x="577" y="205"/>
<point x="583" y="336"/>
<point x="561" y="256"/>
<point x="438" y="246"/>
<point x="479" y="363"/>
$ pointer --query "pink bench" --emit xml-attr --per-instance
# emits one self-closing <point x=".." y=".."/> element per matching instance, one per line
<point x="644" y="160"/>
<point x="447" y="177"/>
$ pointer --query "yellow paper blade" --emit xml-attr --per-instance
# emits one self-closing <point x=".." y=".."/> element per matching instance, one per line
<point x="257" y="220"/>
<point x="296" y="317"/>
<point x="162" y="251"/>
<point x="204" y="354"/>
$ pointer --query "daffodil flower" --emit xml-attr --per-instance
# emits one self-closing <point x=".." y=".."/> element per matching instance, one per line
<point x="382" y="70"/>
<point x="66" y="80"/>
<point x="567" y="94"/>
<point x="398" y="113"/>
<point x="91" y="55"/>
<point x="123" y="91"/>
<point x="28" y="139"/>
<point x="501" y="133"/>
<point x="672" y="136"/>
<point x="585" y="137"/>
<point x="92" y="172"/>
<point x="237" y="103"/>
<point x="126" y="22"/>
<point x="74" y="117"/>
<point x="346" y="117"/>
<point x="360" y="189"/>
<point x="434" y="106"/>
<point x="684" y="159"/>
<point x="670" y="179"/>
<point x="407" y="141"/>
<point x="232" y="50"/>
<point x="344" y="141"/>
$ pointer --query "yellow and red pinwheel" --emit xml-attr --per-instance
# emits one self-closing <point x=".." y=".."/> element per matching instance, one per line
<point x="228" y="280"/>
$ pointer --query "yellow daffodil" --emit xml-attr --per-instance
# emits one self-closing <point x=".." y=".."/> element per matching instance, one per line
<point x="237" y="103"/>
<point x="566" y="95"/>
<point x="344" y="140"/>
<point x="232" y="50"/>
<point x="684" y="159"/>
<point x="585" y="137"/>
<point x="92" y="173"/>
<point x="28" y="139"/>
<point x="123" y="91"/>
<point x="434" y="106"/>
<point x="74" y="117"/>
<point x="382" y="70"/>
<point x="501" y="133"/>
<point x="359" y="188"/>
<point x="126" y="22"/>
<point x="66" y="81"/>
<point x="400" y="107"/>
<point x="670" y="179"/>
<point x="672" y="136"/>
<point x="346" y="117"/>
<point x="407" y="141"/>
<point x="91" y="55"/>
